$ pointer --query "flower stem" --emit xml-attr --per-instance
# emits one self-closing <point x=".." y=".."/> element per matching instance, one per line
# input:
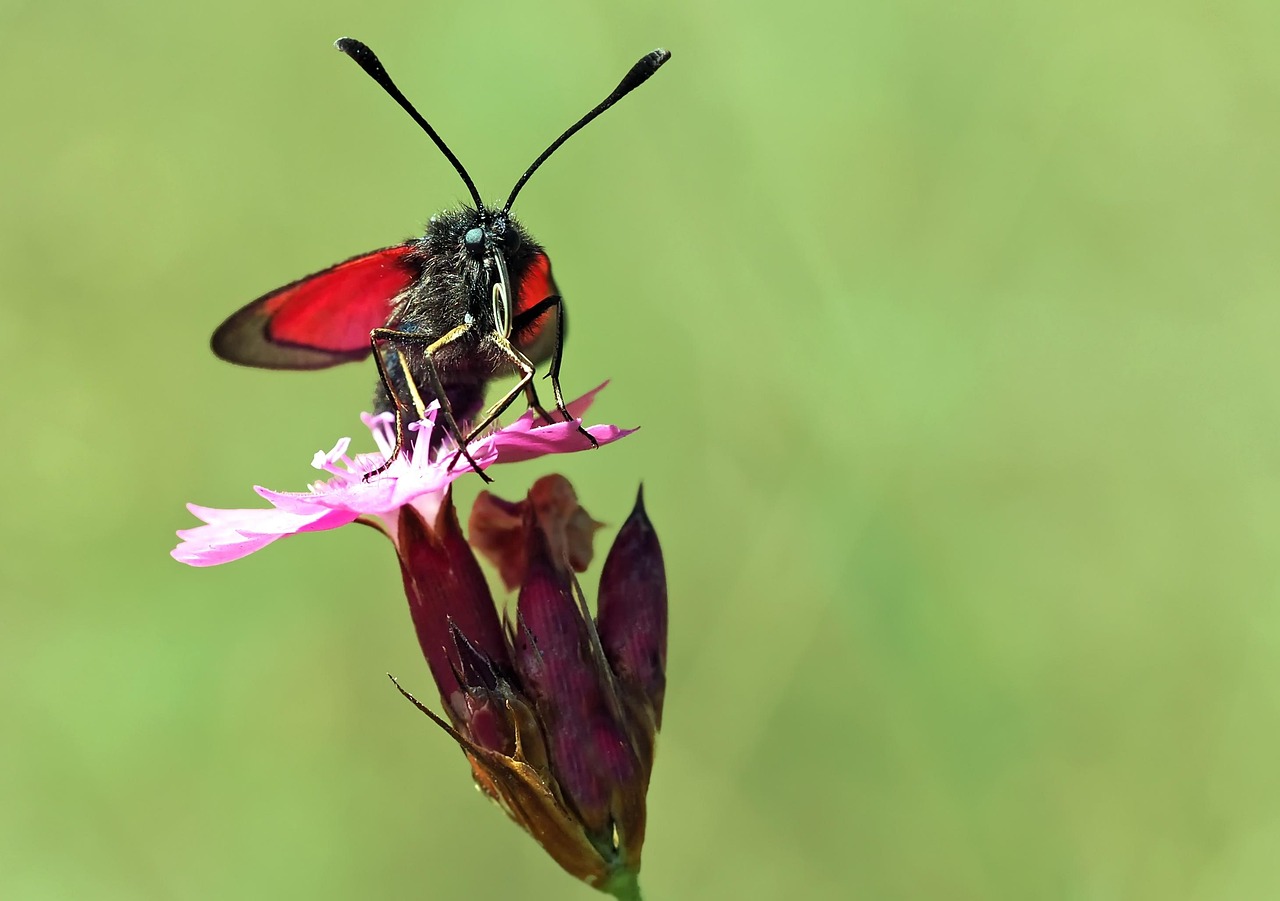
<point x="624" y="886"/>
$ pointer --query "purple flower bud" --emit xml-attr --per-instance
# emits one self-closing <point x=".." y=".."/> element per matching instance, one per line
<point x="632" y="616"/>
<point x="447" y="592"/>
<point x="555" y="653"/>
<point x="559" y="728"/>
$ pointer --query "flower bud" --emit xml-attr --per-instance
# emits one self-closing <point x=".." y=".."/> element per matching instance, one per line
<point x="557" y="721"/>
<point x="447" y="591"/>
<point x="632" y="614"/>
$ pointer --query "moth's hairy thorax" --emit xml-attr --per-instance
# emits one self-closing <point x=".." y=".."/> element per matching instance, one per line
<point x="456" y="284"/>
<point x="456" y="291"/>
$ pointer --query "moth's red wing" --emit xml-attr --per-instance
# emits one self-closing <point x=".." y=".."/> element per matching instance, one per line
<point x="321" y="320"/>
<point x="536" y="339"/>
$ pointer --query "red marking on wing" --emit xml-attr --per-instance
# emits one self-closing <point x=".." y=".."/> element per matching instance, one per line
<point x="536" y="285"/>
<point x="335" y="310"/>
<point x="537" y="337"/>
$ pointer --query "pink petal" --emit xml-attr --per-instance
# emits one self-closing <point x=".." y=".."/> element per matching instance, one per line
<point x="232" y="534"/>
<point x="562" y="438"/>
<point x="345" y="496"/>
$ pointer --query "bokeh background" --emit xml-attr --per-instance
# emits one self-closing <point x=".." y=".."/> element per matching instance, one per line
<point x="952" y="331"/>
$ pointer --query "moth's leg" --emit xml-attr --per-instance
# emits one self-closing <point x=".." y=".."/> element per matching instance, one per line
<point x="526" y="377"/>
<point x="396" y="403"/>
<point x="521" y="322"/>
<point x="531" y="395"/>
<point x="524" y="320"/>
<point x="393" y="336"/>
<point x="418" y="404"/>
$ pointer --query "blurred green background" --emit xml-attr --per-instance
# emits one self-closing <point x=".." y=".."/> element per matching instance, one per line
<point x="951" y="329"/>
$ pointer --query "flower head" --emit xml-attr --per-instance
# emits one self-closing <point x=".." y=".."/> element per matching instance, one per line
<point x="420" y="480"/>
<point x="556" y="712"/>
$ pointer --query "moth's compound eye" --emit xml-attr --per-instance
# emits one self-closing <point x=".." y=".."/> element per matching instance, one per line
<point x="507" y="236"/>
<point x="474" y="238"/>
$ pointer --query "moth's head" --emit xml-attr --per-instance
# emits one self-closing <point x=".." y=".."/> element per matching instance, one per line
<point x="494" y="231"/>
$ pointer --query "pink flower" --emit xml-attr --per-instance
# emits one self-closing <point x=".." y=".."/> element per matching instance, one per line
<point x="420" y="481"/>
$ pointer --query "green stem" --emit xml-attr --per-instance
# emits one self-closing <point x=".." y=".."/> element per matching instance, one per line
<point x="624" y="886"/>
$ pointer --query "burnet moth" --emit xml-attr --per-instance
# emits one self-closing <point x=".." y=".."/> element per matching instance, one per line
<point x="471" y="300"/>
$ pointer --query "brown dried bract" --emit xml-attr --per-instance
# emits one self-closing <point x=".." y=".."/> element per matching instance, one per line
<point x="498" y="528"/>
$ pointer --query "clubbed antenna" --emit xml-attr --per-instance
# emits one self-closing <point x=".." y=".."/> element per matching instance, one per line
<point x="368" y="61"/>
<point x="637" y="76"/>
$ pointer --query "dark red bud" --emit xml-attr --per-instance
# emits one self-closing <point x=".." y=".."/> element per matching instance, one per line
<point x="558" y="727"/>
<point x="632" y="617"/>
<point x="591" y="753"/>
<point x="447" y="593"/>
